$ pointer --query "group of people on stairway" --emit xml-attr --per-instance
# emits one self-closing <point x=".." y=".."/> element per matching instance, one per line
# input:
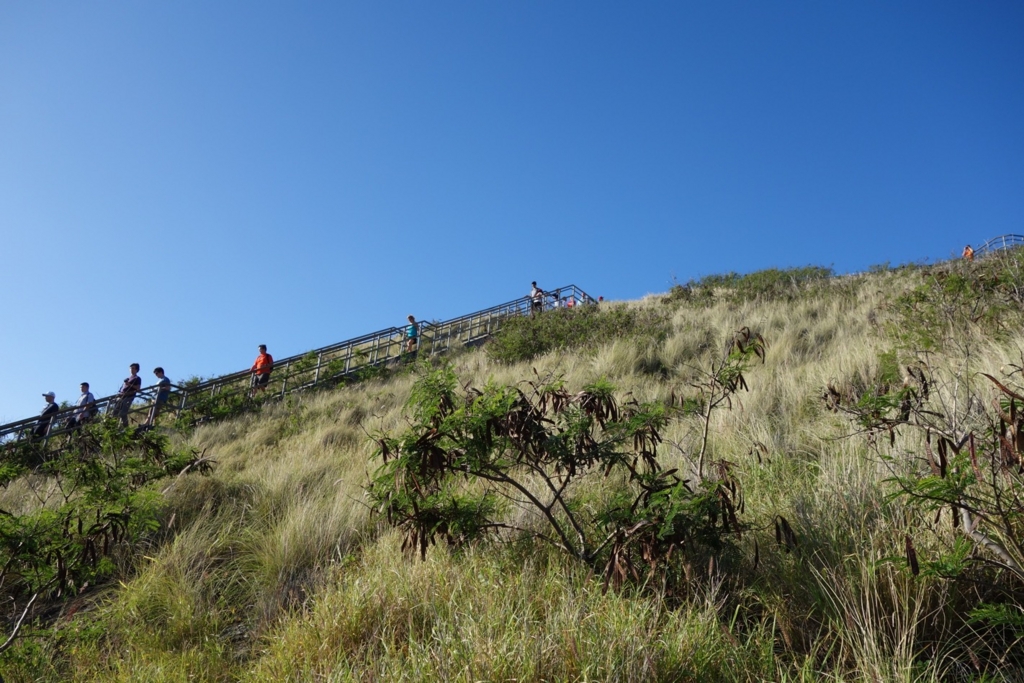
<point x="120" y="404"/>
<point x="538" y="295"/>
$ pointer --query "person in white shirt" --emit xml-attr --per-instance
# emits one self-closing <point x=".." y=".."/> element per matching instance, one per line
<point x="85" y="406"/>
<point x="536" y="299"/>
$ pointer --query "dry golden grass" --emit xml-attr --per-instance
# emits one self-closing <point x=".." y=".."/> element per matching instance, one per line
<point x="276" y="570"/>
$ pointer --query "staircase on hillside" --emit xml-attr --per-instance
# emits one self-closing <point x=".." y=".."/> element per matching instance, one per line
<point x="352" y="359"/>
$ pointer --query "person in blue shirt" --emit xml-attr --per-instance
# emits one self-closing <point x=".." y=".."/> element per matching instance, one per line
<point x="412" y="335"/>
<point x="163" y="392"/>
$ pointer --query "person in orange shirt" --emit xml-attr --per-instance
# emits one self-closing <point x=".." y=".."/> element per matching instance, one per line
<point x="261" y="370"/>
<point x="968" y="253"/>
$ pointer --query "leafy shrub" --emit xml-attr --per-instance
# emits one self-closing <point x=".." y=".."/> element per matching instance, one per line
<point x="768" y="284"/>
<point x="965" y="473"/>
<point x="209" y="406"/>
<point x="524" y="338"/>
<point x="527" y="446"/>
<point x="986" y="295"/>
<point x="954" y="444"/>
<point x="334" y="368"/>
<point x="99" y="500"/>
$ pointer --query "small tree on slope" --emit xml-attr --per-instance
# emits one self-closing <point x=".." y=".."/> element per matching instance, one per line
<point x="473" y="456"/>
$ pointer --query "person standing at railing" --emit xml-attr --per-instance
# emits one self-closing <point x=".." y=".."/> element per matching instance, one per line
<point x="412" y="335"/>
<point x="86" y="407"/>
<point x="126" y="394"/>
<point x="46" y="416"/>
<point x="536" y="299"/>
<point x="968" y="253"/>
<point x="163" y="392"/>
<point x="261" y="370"/>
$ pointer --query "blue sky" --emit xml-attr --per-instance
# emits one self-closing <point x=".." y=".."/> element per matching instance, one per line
<point x="180" y="182"/>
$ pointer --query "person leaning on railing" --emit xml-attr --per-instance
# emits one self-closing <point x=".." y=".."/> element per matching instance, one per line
<point x="86" y="407"/>
<point x="126" y="394"/>
<point x="163" y="392"/>
<point x="46" y="416"/>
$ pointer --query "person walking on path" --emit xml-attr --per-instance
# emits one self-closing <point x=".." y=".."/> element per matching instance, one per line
<point x="536" y="299"/>
<point x="86" y="407"/>
<point x="163" y="391"/>
<point x="412" y="335"/>
<point x="126" y="394"/>
<point x="261" y="370"/>
<point x="46" y="415"/>
<point x="968" y="253"/>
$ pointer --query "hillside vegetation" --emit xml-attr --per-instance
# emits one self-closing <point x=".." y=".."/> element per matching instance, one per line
<point x="786" y="475"/>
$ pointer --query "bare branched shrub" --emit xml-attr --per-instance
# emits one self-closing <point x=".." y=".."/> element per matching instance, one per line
<point x="527" y="446"/>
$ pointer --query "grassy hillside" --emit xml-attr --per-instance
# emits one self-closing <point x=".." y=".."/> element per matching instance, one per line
<point x="845" y="563"/>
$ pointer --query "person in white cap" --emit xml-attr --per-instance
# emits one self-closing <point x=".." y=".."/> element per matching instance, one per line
<point x="46" y="416"/>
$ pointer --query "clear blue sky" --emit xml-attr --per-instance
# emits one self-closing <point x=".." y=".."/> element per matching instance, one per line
<point x="180" y="182"/>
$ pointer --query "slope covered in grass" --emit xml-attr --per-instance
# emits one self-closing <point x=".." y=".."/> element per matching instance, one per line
<point x="274" y="567"/>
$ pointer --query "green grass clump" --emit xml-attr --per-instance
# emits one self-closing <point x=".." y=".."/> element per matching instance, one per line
<point x="522" y="339"/>
<point x="499" y="616"/>
<point x="762" y="285"/>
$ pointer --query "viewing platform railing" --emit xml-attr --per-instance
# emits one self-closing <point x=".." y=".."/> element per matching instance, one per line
<point x="208" y="399"/>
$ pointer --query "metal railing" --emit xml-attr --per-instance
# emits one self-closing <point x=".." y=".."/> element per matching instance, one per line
<point x="1000" y="243"/>
<point x="354" y="358"/>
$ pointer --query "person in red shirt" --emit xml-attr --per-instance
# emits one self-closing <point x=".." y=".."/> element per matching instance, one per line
<point x="261" y="370"/>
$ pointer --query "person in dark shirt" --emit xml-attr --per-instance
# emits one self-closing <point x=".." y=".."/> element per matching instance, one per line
<point x="126" y="394"/>
<point x="46" y="416"/>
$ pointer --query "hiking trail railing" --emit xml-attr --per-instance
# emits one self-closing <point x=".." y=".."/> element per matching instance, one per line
<point x="194" y="403"/>
<point x="1000" y="243"/>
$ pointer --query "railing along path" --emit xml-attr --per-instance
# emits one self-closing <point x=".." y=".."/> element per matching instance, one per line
<point x="1000" y="243"/>
<point x="330" y="364"/>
